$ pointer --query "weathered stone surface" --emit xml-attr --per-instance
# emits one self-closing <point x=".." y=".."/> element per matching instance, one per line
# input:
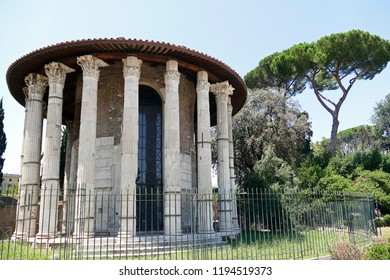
<point x="204" y="154"/>
<point x="171" y="146"/>
<point x="56" y="73"/>
<point x="28" y="192"/>
<point x="103" y="156"/>
<point x="87" y="143"/>
<point x="222" y="92"/>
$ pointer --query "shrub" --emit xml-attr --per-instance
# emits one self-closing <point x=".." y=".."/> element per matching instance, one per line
<point x="379" y="240"/>
<point x="378" y="252"/>
<point x="386" y="220"/>
<point x="334" y="182"/>
<point x="379" y="222"/>
<point x="345" y="251"/>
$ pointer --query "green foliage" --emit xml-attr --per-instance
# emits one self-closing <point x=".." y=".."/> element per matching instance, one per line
<point x="273" y="172"/>
<point x="342" y="166"/>
<point x="356" y="53"/>
<point x="334" y="182"/>
<point x="362" y="171"/>
<point x="386" y="163"/>
<point x="376" y="182"/>
<point x="360" y="138"/>
<point x="270" y="177"/>
<point x="310" y="175"/>
<point x="386" y="220"/>
<point x="3" y="140"/>
<point x="383" y="221"/>
<point x="349" y="164"/>
<point x="378" y="252"/>
<point x="13" y="190"/>
<point x="276" y="71"/>
<point x="379" y="222"/>
<point x="321" y="152"/>
<point x="371" y="160"/>
<point x="381" y="119"/>
<point x="334" y="62"/>
<point x="269" y="121"/>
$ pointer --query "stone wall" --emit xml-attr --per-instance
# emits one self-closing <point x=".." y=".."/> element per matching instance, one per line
<point x="110" y="102"/>
<point x="108" y="142"/>
<point x="107" y="200"/>
<point x="7" y="216"/>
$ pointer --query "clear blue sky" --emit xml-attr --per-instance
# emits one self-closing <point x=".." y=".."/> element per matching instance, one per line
<point x="239" y="33"/>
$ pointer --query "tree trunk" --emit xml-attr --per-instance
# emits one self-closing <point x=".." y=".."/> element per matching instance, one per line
<point x="333" y="135"/>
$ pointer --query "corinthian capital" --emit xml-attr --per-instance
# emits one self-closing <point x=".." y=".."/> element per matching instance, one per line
<point x="90" y="65"/>
<point x="36" y="84"/>
<point x="172" y="74"/>
<point x="132" y="66"/>
<point x="203" y="85"/>
<point x="222" y="88"/>
<point x="25" y="92"/>
<point x="56" y="72"/>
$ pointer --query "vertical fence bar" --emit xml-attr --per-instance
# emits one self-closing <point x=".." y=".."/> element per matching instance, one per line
<point x="274" y="225"/>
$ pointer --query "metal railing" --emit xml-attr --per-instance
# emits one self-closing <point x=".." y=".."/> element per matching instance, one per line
<point x="152" y="224"/>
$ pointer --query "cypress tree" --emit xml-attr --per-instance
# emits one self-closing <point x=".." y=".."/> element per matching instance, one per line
<point x="3" y="140"/>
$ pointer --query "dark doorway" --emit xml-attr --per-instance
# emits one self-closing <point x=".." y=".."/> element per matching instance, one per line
<point x="149" y="179"/>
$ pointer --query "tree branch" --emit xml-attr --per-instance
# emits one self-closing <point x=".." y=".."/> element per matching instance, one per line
<point x="319" y="96"/>
<point x="326" y="99"/>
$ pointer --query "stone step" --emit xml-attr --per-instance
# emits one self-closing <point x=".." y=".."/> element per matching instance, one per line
<point x="113" y="249"/>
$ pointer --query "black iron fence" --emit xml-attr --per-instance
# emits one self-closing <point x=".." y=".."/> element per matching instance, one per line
<point x="158" y="224"/>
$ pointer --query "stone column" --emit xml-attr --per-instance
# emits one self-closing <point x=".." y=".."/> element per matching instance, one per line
<point x="48" y="216"/>
<point x="171" y="143"/>
<point x="129" y="141"/>
<point x="25" y="91"/>
<point x="72" y="191"/>
<point x="87" y="143"/>
<point x="26" y="220"/>
<point x="205" y="199"/>
<point x="231" y="164"/>
<point x="69" y="195"/>
<point x="222" y="91"/>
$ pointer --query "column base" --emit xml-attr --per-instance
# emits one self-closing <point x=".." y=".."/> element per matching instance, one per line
<point x="21" y="236"/>
<point x="125" y="235"/>
<point x="206" y="231"/>
<point x="177" y="233"/>
<point x="83" y="235"/>
<point x="45" y="236"/>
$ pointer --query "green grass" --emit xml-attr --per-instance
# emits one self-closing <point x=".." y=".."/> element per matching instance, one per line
<point x="20" y="251"/>
<point x="263" y="245"/>
<point x="253" y="245"/>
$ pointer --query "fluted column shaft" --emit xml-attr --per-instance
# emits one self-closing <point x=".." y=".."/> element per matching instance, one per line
<point x="25" y="91"/>
<point x="87" y="145"/>
<point x="172" y="190"/>
<point x="205" y="214"/>
<point x="71" y="195"/>
<point x="129" y="141"/>
<point x="222" y="92"/>
<point x="56" y="72"/>
<point x="28" y="192"/>
<point x="68" y="202"/>
<point x="231" y="164"/>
